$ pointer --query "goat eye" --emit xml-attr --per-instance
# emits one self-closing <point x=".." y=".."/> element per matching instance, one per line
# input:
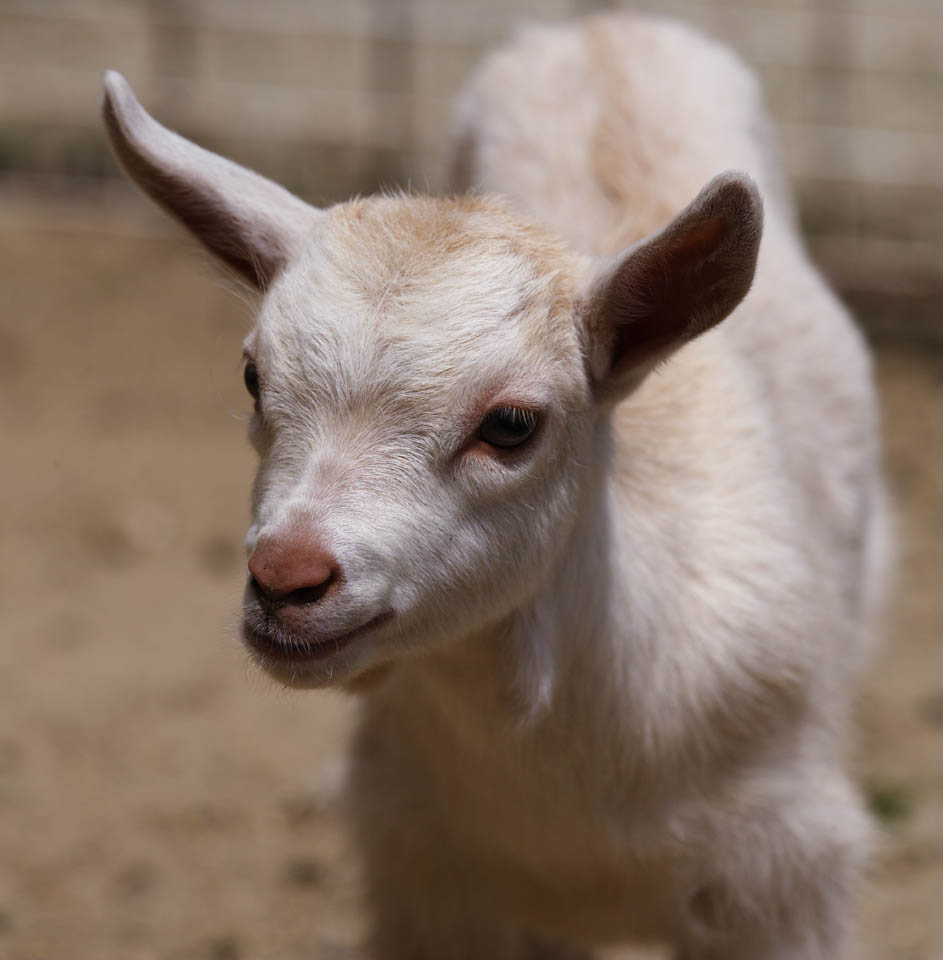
<point x="506" y="427"/>
<point x="251" y="377"/>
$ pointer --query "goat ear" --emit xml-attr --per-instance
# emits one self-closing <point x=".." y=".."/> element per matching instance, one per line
<point x="248" y="222"/>
<point x="673" y="286"/>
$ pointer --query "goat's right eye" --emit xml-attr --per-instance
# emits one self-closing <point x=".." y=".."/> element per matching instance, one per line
<point x="251" y="377"/>
<point x="507" y="427"/>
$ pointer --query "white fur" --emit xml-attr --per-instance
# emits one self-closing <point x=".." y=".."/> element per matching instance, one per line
<point x="611" y="700"/>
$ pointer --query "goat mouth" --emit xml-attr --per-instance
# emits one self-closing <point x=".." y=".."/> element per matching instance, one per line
<point x="274" y="644"/>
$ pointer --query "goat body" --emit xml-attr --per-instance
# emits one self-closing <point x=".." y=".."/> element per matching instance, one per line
<point x="602" y="567"/>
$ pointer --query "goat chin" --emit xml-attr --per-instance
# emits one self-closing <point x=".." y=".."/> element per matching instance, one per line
<point x="574" y="478"/>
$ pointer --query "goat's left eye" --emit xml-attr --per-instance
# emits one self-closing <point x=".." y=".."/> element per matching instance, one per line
<point x="506" y="427"/>
<point x="251" y="377"/>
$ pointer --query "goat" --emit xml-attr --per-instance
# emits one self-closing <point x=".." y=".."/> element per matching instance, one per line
<point x="601" y="568"/>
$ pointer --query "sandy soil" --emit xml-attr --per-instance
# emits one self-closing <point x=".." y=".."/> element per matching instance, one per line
<point x="157" y="800"/>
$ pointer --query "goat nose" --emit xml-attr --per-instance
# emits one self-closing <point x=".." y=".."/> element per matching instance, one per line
<point x="292" y="572"/>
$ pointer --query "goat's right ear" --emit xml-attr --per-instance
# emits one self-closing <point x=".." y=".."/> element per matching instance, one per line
<point x="248" y="222"/>
<point x="653" y="298"/>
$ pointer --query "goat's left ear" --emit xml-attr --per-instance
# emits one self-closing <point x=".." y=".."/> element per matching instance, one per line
<point x="653" y="298"/>
<point x="246" y="221"/>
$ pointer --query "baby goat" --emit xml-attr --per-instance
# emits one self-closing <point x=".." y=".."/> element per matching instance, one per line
<point x="603" y="570"/>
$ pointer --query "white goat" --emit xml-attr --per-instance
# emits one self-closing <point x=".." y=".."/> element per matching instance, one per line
<point x="605" y="617"/>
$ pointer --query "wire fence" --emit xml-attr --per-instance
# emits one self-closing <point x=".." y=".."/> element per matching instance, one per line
<point x="335" y="97"/>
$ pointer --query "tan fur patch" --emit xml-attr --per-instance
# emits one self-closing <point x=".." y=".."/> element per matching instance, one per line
<point x="420" y="235"/>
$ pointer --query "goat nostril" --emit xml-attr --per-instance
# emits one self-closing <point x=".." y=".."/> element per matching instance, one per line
<point x="272" y="597"/>
<point x="260" y="592"/>
<point x="312" y="594"/>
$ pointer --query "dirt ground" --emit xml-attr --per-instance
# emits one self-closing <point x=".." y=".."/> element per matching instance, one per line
<point x="157" y="799"/>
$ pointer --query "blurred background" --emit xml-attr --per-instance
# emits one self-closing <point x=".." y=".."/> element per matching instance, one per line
<point x="157" y="800"/>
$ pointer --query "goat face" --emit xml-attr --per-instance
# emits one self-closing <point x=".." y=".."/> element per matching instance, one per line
<point x="423" y="413"/>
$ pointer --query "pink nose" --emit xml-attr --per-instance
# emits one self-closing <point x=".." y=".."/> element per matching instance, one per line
<point x="292" y="570"/>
